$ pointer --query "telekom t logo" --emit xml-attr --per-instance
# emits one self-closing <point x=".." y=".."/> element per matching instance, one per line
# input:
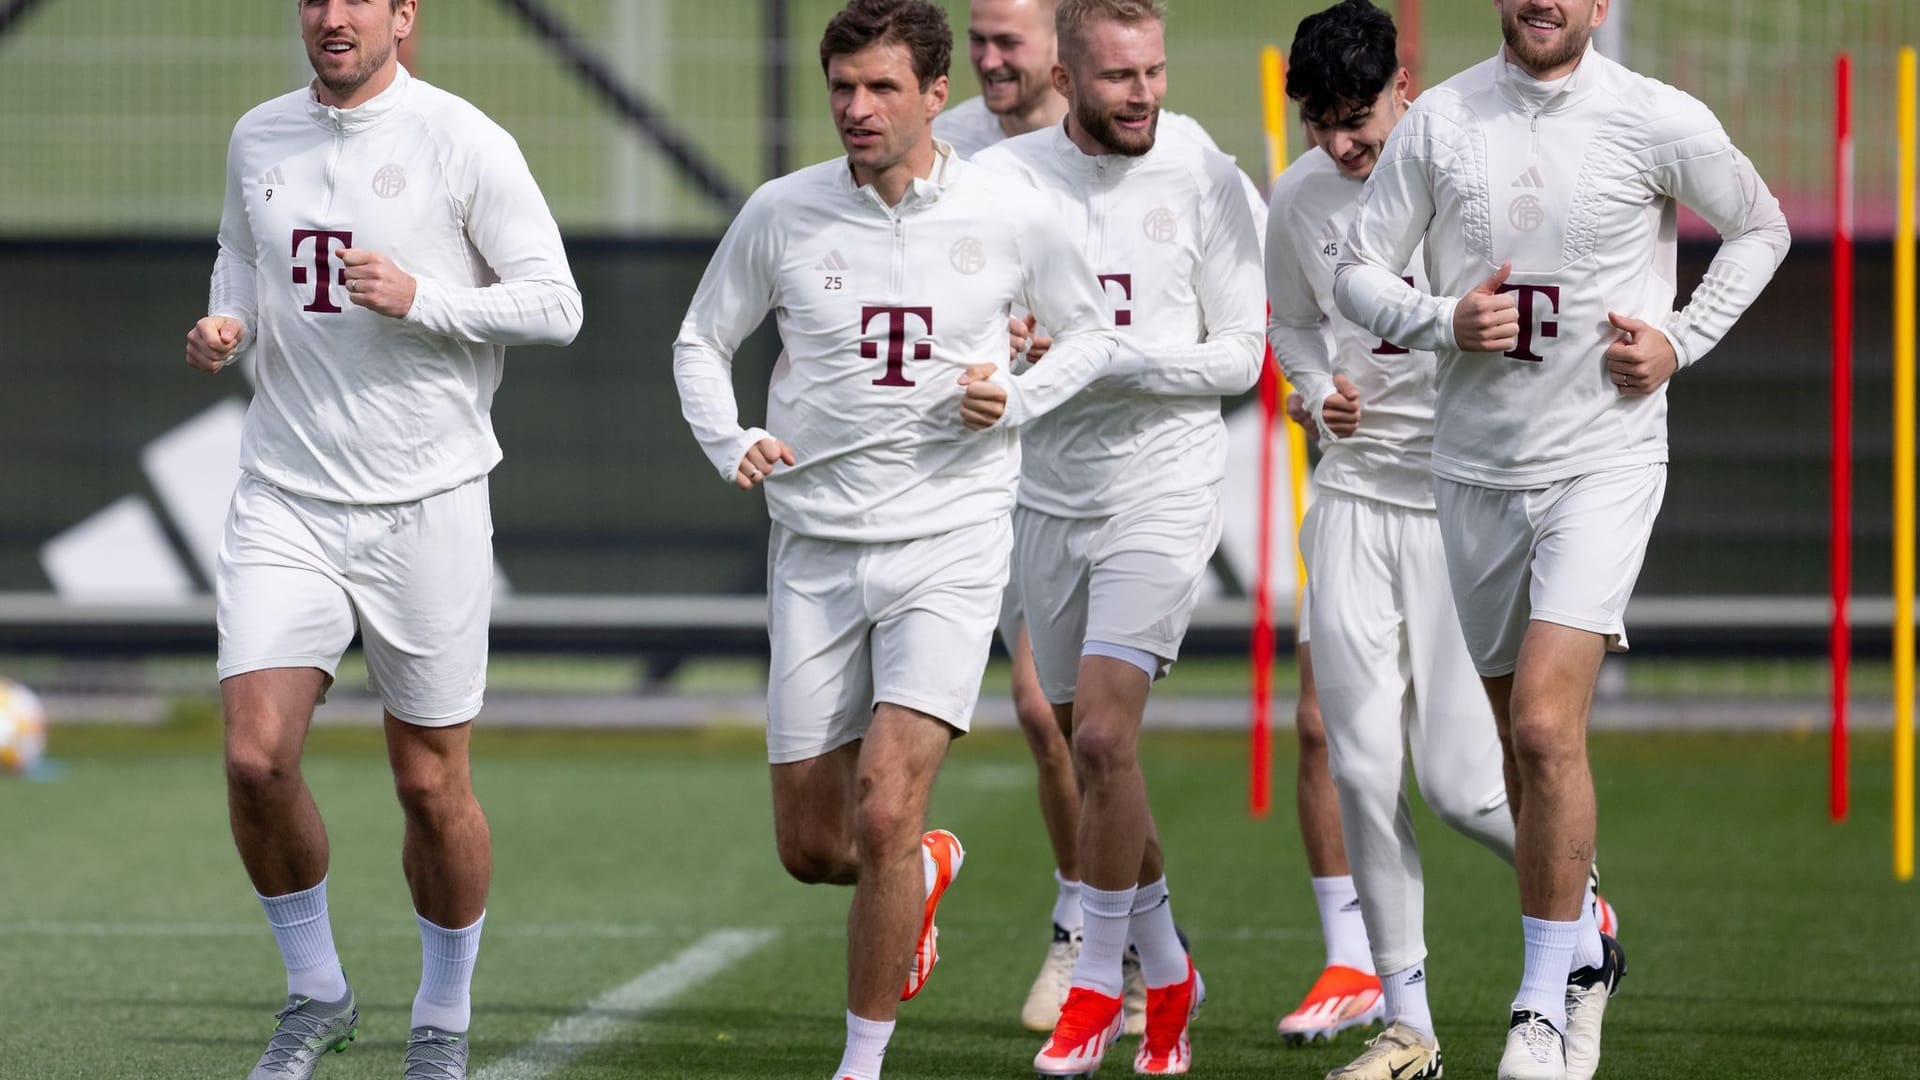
<point x="896" y="341"/>
<point x="1121" y="316"/>
<point x="323" y="240"/>
<point x="1548" y="328"/>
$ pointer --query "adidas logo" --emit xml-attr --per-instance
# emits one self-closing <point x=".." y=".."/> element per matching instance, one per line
<point x="1351" y="905"/>
<point x="1419" y="976"/>
<point x="274" y="176"/>
<point x="1531" y="178"/>
<point x="834" y="261"/>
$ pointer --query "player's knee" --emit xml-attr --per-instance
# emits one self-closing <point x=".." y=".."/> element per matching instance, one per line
<point x="1371" y="776"/>
<point x="428" y="789"/>
<point x="1102" y="750"/>
<point x="885" y="829"/>
<point x="1545" y="741"/>
<point x="1457" y="808"/>
<point x="813" y="863"/>
<point x="258" y="772"/>
<point x="1041" y="728"/>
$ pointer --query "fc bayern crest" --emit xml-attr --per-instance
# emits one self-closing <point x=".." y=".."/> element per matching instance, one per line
<point x="1161" y="226"/>
<point x="968" y="255"/>
<point x="390" y="181"/>
<point x="1526" y="213"/>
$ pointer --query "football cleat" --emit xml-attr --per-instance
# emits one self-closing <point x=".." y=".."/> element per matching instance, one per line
<point x="1165" y="1049"/>
<point x="1588" y="991"/>
<point x="304" y="1031"/>
<point x="1133" y="994"/>
<point x="1341" y="998"/>
<point x="1398" y="1053"/>
<point x="1535" y="1049"/>
<point x="944" y="849"/>
<point x="1089" y="1023"/>
<point x="435" y="1055"/>
<point x="1603" y="913"/>
<point x="1049" y="991"/>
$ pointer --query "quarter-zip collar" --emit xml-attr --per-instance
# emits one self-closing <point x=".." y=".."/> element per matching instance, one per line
<point x="360" y="118"/>
<point x="1534" y="96"/>
<point x="1104" y="168"/>
<point x="923" y="191"/>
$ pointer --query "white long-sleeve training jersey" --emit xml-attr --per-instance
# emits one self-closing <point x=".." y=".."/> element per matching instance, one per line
<point x="350" y="405"/>
<point x="1575" y="182"/>
<point x="880" y="310"/>
<point x="968" y="127"/>
<point x="1172" y="237"/>
<point x="1390" y="457"/>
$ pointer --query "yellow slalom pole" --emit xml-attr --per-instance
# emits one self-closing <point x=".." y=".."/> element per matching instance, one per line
<point x="1903" y="469"/>
<point x="1273" y="111"/>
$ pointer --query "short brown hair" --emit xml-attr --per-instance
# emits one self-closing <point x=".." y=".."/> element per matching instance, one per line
<point x="1071" y="17"/>
<point x="918" y="25"/>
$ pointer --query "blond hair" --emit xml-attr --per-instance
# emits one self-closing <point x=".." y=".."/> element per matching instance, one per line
<point x="1070" y="18"/>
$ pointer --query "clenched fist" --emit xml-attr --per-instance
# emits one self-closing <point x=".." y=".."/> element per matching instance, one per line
<point x="213" y="341"/>
<point x="984" y="402"/>
<point x="376" y="283"/>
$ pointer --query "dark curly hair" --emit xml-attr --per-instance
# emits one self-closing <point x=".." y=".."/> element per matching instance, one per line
<point x="920" y="26"/>
<point x="1342" y="59"/>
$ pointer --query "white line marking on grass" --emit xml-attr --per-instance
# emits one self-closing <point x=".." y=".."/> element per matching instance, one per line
<point x="627" y="1004"/>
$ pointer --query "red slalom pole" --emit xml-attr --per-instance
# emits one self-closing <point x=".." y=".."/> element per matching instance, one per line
<point x="1260" y="728"/>
<point x="1840" y="549"/>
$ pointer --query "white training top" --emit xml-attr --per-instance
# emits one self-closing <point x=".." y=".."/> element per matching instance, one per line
<point x="349" y="405"/>
<point x="968" y="127"/>
<point x="1172" y="237"/>
<point x="1390" y="457"/>
<point x="1574" y="182"/>
<point x="880" y="309"/>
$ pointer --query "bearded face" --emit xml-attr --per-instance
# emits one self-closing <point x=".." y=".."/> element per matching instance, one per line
<point x="1546" y="35"/>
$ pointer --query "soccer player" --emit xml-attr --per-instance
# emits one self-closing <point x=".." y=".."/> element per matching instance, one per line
<point x="1392" y="667"/>
<point x="1012" y="47"/>
<point x="381" y="241"/>
<point x="1544" y="184"/>
<point x="893" y="271"/>
<point x="1119" y="507"/>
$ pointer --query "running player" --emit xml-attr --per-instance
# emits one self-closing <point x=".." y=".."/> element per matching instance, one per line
<point x="1544" y="183"/>
<point x="892" y="272"/>
<point x="1391" y="665"/>
<point x="381" y="241"/>
<point x="1119" y="506"/>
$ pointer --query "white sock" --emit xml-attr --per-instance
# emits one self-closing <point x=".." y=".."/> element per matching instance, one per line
<point x="1104" y="938"/>
<point x="1543" y="980"/>
<point x="1162" y="961"/>
<point x="1586" y="948"/>
<point x="1066" y="904"/>
<point x="1341" y="924"/>
<point x="305" y="936"/>
<point x="445" y="1000"/>
<point x="866" y="1045"/>
<point x="1406" y="994"/>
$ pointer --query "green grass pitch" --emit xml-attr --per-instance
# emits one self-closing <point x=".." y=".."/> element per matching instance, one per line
<point x="1763" y="941"/>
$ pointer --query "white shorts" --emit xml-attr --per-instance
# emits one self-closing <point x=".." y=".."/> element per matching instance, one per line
<point x="1131" y="579"/>
<point x="295" y="576"/>
<point x="1302" y="618"/>
<point x="1567" y="553"/>
<point x="855" y="625"/>
<point x="1010" y="619"/>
